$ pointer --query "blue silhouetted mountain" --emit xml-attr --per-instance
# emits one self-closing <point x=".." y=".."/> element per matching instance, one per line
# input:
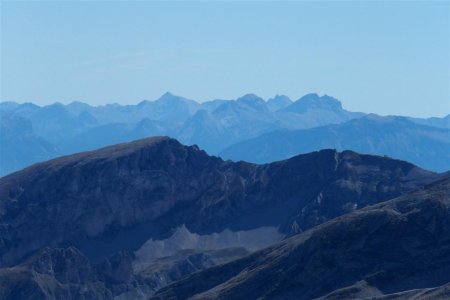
<point x="7" y="107"/>
<point x="251" y="116"/>
<point x="434" y="121"/>
<point x="278" y="102"/>
<point x="312" y="110"/>
<point x="230" y="122"/>
<point x="314" y="101"/>
<point x="24" y="110"/>
<point x="53" y="122"/>
<point x="170" y="109"/>
<point x="110" y="134"/>
<point x="213" y="125"/>
<point x="20" y="146"/>
<point x="213" y="104"/>
<point x="396" y="137"/>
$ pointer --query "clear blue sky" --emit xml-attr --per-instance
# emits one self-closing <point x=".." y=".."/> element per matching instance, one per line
<point x="383" y="57"/>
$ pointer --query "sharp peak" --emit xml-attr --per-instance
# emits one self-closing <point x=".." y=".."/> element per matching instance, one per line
<point x="316" y="96"/>
<point x="310" y="96"/>
<point x="278" y="96"/>
<point x="168" y="95"/>
<point x="313" y="100"/>
<point x="250" y="98"/>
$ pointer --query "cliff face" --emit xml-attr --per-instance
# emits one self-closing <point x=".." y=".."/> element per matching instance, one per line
<point x="118" y="197"/>
<point x="65" y="273"/>
<point x="53" y="274"/>
<point x="394" y="250"/>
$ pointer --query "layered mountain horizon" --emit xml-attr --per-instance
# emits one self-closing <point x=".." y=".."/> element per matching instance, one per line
<point x="226" y="199"/>
<point x="135" y="220"/>
<point x="397" y="137"/>
<point x="216" y="126"/>
<point x="333" y="185"/>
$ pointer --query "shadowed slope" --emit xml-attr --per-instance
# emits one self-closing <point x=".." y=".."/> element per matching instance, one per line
<point x="116" y="198"/>
<point x="396" y="246"/>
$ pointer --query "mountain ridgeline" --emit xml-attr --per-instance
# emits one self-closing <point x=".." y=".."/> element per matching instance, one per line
<point x="397" y="137"/>
<point x="57" y="129"/>
<point x="135" y="220"/>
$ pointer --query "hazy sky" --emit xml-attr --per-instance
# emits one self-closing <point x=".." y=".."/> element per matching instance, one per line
<point x="383" y="57"/>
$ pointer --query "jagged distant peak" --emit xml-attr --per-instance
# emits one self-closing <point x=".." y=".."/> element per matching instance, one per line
<point x="250" y="98"/>
<point x="313" y="100"/>
<point x="279" y="98"/>
<point x="169" y="99"/>
<point x="168" y="96"/>
<point x="309" y="96"/>
<point x="314" y="97"/>
<point x="279" y="102"/>
<point x="253" y="101"/>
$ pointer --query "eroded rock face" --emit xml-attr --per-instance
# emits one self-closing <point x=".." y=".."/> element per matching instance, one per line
<point x="118" y="197"/>
<point x="53" y="274"/>
<point x="64" y="273"/>
<point x="398" y="248"/>
<point x="183" y="239"/>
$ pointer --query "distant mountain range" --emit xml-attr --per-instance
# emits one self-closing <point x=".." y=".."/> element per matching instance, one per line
<point x="20" y="146"/>
<point x="135" y="220"/>
<point x="397" y="137"/>
<point x="58" y="129"/>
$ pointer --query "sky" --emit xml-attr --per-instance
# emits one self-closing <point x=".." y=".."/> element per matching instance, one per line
<point x="385" y="57"/>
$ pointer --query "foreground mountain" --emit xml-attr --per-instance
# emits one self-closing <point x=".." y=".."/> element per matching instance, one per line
<point x="397" y="137"/>
<point x="393" y="248"/>
<point x="128" y="219"/>
<point x="65" y="273"/>
<point x="118" y="197"/>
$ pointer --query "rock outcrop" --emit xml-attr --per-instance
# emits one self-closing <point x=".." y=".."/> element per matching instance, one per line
<point x="399" y="249"/>
<point x="118" y="197"/>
